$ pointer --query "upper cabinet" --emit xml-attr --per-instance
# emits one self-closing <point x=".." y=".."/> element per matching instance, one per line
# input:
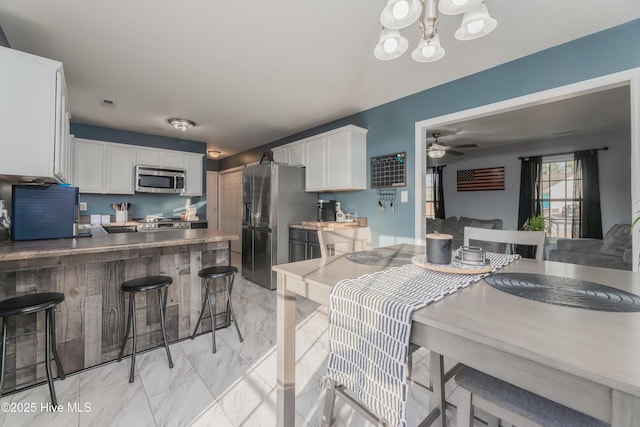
<point x="336" y="160"/>
<point x="294" y="154"/>
<point x="35" y="113"/>
<point x="103" y="167"/>
<point x="109" y="168"/>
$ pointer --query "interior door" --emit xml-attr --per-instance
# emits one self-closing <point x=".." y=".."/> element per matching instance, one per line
<point x="230" y="205"/>
<point x="212" y="200"/>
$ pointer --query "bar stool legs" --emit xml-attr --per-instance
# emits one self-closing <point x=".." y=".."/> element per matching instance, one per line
<point x="163" y="305"/>
<point x="140" y="285"/>
<point x="35" y="303"/>
<point x="231" y="313"/>
<point x="227" y="274"/>
<point x="50" y="344"/>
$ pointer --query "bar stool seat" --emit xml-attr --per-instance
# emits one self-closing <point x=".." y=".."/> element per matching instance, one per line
<point x="227" y="273"/>
<point x="28" y="304"/>
<point x="144" y="284"/>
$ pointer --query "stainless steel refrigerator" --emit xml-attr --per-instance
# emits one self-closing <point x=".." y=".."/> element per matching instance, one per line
<point x="273" y="197"/>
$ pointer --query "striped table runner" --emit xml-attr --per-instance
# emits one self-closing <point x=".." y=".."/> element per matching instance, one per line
<point x="370" y="325"/>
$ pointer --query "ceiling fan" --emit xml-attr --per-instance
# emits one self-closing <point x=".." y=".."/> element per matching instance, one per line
<point x="437" y="150"/>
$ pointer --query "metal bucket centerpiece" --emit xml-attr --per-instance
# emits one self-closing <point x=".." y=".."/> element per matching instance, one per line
<point x="471" y="255"/>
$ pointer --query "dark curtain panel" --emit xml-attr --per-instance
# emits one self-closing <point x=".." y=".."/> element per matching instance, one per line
<point x="530" y="171"/>
<point x="438" y="192"/>
<point x="588" y="188"/>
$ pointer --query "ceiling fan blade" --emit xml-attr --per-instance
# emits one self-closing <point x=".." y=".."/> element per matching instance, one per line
<point x="464" y="146"/>
<point x="455" y="153"/>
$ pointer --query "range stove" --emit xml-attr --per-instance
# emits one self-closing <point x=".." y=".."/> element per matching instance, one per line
<point x="152" y="223"/>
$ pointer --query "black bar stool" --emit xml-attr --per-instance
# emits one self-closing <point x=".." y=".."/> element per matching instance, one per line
<point x="227" y="273"/>
<point x="28" y="304"/>
<point x="143" y="284"/>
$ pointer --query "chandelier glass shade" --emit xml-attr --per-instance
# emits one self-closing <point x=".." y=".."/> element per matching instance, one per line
<point x="391" y="45"/>
<point x="398" y="14"/>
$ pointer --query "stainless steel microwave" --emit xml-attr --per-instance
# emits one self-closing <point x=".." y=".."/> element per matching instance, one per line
<point x="153" y="179"/>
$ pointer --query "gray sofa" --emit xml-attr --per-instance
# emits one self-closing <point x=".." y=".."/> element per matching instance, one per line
<point x="455" y="226"/>
<point x="614" y="251"/>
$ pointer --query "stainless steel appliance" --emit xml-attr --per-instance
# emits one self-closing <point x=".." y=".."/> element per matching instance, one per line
<point x="43" y="212"/>
<point x="152" y="179"/>
<point x="153" y="224"/>
<point x="273" y="197"/>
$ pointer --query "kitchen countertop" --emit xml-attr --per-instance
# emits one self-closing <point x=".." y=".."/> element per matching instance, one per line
<point x="329" y="225"/>
<point x="21" y="250"/>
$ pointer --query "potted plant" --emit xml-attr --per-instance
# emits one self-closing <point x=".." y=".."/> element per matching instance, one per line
<point x="539" y="223"/>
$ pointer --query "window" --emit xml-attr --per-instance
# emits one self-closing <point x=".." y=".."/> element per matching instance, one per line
<point x="430" y="195"/>
<point x="558" y="200"/>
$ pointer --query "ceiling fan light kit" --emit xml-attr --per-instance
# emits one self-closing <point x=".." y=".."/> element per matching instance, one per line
<point x="398" y="14"/>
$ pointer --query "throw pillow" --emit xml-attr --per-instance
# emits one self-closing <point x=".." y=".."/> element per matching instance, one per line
<point x="617" y="240"/>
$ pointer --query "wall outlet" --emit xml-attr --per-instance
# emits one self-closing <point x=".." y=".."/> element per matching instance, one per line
<point x="83" y="206"/>
<point x="404" y="196"/>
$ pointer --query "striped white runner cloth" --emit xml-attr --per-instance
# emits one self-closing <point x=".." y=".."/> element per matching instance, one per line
<point x="370" y="325"/>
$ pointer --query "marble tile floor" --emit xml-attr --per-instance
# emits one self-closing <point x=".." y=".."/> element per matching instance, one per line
<point x="234" y="387"/>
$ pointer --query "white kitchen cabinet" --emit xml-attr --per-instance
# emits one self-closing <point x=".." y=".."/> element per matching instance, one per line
<point x="296" y="153"/>
<point x="34" y="111"/>
<point x="336" y="160"/>
<point x="316" y="164"/>
<point x="280" y="155"/>
<point x="89" y="165"/>
<point x="104" y="167"/>
<point x="148" y="157"/>
<point x="194" y="171"/>
<point x="119" y="169"/>
<point x="293" y="154"/>
<point x="109" y="168"/>
<point x="173" y="159"/>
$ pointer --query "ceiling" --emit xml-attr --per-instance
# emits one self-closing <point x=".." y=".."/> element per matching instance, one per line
<point x="594" y="113"/>
<point x="249" y="74"/>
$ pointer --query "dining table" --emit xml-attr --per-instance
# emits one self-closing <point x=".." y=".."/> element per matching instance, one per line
<point x="585" y="359"/>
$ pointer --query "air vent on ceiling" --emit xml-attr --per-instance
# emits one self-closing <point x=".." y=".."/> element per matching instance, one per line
<point x="107" y="103"/>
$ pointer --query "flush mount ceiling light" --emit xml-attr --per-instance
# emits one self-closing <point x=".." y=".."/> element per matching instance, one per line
<point x="181" y="124"/>
<point x="398" y="14"/>
<point x="213" y="154"/>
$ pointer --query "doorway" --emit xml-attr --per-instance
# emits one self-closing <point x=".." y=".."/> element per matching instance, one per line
<point x="630" y="79"/>
<point x="212" y="199"/>
<point x="230" y="204"/>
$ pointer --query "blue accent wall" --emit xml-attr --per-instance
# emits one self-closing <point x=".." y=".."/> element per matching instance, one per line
<point x="391" y="126"/>
<point x="142" y="204"/>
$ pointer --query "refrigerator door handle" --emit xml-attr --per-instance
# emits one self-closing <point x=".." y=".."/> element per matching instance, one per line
<point x="246" y="220"/>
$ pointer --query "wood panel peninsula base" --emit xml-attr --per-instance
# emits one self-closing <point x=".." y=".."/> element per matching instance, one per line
<point x="90" y="323"/>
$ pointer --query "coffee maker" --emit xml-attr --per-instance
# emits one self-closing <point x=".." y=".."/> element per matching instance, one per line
<point x="326" y="210"/>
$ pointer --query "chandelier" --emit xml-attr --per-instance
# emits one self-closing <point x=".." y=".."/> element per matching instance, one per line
<point x="398" y="14"/>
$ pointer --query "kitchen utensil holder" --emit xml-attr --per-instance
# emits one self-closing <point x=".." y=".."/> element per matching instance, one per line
<point x="121" y="216"/>
<point x="386" y="196"/>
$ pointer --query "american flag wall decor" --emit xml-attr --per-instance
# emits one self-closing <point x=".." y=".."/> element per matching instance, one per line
<point x="481" y="179"/>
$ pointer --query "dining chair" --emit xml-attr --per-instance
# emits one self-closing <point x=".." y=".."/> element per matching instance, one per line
<point x="511" y="404"/>
<point x="529" y="238"/>
<point x="344" y="240"/>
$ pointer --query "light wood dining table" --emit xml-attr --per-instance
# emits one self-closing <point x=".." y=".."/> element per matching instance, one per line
<point x="585" y="359"/>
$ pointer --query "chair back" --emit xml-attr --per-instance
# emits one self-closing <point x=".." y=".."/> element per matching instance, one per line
<point x="529" y="238"/>
<point x="344" y="240"/>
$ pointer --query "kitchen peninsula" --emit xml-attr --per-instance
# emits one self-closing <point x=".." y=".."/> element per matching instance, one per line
<point x="90" y="323"/>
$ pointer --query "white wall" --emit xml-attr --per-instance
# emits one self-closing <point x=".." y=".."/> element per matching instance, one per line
<point x="615" y="178"/>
